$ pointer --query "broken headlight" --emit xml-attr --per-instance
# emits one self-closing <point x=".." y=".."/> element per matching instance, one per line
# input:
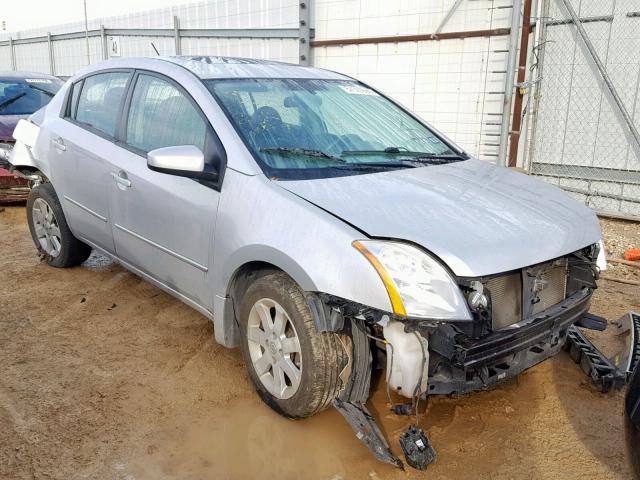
<point x="418" y="285"/>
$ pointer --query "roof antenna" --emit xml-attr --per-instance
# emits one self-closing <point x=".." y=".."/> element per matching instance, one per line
<point x="155" y="49"/>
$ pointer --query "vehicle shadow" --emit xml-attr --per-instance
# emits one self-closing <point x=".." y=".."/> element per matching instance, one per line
<point x="595" y="419"/>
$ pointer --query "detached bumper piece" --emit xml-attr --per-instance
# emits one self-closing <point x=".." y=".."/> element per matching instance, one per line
<point x="350" y="402"/>
<point x="607" y="374"/>
<point x="604" y="374"/>
<point x="367" y="430"/>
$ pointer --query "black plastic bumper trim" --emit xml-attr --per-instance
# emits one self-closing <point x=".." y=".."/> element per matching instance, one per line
<point x="544" y="329"/>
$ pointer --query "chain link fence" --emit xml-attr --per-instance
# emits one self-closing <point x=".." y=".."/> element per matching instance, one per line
<point x="588" y="114"/>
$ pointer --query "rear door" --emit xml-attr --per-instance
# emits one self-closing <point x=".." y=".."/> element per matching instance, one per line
<point x="163" y="224"/>
<point x="82" y="142"/>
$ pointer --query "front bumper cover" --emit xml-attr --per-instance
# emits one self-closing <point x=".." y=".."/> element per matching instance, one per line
<point x="462" y="364"/>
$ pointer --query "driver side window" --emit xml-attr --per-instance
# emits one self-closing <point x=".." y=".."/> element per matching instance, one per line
<point x="162" y="116"/>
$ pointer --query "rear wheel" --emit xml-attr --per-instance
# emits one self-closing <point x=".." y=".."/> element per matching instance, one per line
<point x="294" y="369"/>
<point x="50" y="231"/>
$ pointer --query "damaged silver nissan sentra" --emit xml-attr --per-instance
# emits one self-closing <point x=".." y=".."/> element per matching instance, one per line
<point x="320" y="225"/>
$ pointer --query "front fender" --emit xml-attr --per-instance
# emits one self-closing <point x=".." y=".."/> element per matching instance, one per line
<point x="260" y="222"/>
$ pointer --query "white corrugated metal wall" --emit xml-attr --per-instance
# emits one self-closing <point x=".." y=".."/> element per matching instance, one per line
<point x="455" y="84"/>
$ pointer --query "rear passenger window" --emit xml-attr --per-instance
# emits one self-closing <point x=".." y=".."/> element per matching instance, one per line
<point x="100" y="101"/>
<point x="162" y="116"/>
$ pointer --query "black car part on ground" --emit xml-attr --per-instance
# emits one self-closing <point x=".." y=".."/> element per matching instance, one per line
<point x="417" y="448"/>
<point x="351" y="400"/>
<point x="604" y="374"/>
<point x="632" y="420"/>
<point x="629" y="323"/>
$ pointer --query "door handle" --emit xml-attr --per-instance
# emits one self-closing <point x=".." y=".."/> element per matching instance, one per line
<point x="121" y="178"/>
<point x="59" y="144"/>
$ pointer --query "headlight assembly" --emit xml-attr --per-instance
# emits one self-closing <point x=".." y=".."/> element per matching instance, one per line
<point x="417" y="284"/>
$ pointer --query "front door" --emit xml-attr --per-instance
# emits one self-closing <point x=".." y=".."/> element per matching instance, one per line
<point x="163" y="224"/>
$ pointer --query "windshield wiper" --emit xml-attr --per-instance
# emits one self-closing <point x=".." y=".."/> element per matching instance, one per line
<point x="437" y="158"/>
<point x="386" y="151"/>
<point x="302" y="152"/>
<point x="9" y="101"/>
<point x="370" y="165"/>
<point x="46" y="92"/>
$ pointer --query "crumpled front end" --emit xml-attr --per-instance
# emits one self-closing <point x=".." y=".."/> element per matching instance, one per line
<point x="522" y="319"/>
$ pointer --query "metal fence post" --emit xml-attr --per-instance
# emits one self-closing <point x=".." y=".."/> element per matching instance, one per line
<point x="12" y="54"/>
<point x="103" y="39"/>
<point x="305" y="32"/>
<point x="632" y="131"/>
<point x="176" y="35"/>
<point x="52" y="67"/>
<point x="542" y="13"/>
<point x="508" y="83"/>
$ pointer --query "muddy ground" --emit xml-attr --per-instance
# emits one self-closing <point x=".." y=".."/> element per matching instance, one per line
<point x="103" y="376"/>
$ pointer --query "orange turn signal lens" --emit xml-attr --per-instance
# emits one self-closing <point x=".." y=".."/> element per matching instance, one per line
<point x="394" y="296"/>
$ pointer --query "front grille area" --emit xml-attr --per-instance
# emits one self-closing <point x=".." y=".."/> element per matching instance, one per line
<point x="519" y="295"/>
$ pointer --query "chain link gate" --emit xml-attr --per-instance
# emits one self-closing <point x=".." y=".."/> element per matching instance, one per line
<point x="585" y="132"/>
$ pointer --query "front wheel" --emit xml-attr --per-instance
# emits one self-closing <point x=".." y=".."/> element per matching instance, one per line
<point x="50" y="231"/>
<point x="295" y="369"/>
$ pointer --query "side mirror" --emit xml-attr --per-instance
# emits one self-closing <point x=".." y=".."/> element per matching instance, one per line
<point x="181" y="160"/>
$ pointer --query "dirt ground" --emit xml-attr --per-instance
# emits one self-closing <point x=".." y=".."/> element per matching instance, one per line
<point x="103" y="376"/>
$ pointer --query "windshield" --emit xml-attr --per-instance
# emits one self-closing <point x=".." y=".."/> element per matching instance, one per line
<point x="24" y="96"/>
<point x="302" y="128"/>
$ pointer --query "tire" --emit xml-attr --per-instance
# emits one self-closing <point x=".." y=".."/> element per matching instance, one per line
<point x="49" y="230"/>
<point x="320" y="359"/>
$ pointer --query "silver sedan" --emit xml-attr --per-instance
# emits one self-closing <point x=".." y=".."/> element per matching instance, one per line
<point x="314" y="221"/>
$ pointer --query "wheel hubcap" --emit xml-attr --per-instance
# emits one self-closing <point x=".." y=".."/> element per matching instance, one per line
<point x="274" y="348"/>
<point x="46" y="227"/>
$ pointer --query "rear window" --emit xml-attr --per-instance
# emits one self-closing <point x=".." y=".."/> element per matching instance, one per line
<point x="25" y="96"/>
<point x="100" y="101"/>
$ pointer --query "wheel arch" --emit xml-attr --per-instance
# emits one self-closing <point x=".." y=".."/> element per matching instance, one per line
<point x="243" y="268"/>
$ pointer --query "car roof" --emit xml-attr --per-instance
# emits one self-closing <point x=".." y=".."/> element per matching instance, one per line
<point x="210" y="67"/>
<point x="21" y="75"/>
<point x="207" y="67"/>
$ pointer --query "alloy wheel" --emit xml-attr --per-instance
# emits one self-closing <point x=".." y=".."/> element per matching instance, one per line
<point x="46" y="227"/>
<point x="274" y="348"/>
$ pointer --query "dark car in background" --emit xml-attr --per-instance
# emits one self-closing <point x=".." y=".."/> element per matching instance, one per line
<point x="632" y="414"/>
<point x="21" y="94"/>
